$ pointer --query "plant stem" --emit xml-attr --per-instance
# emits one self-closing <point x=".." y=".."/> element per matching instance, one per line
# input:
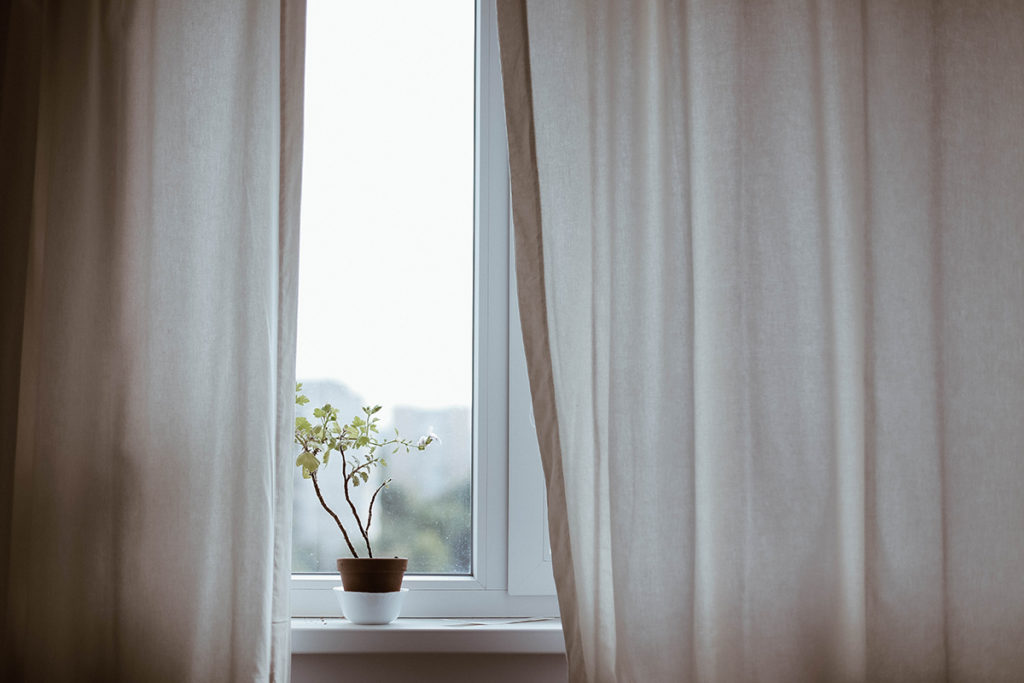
<point x="312" y="475"/>
<point x="348" y="498"/>
<point x="369" y="516"/>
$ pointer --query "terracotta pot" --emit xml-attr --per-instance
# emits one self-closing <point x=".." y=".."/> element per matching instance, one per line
<point x="372" y="575"/>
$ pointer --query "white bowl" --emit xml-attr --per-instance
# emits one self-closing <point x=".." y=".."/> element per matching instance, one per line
<point x="370" y="608"/>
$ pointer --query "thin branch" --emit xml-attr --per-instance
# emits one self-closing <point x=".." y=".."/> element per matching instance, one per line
<point x="348" y="498"/>
<point x="369" y="516"/>
<point x="364" y="466"/>
<point x="312" y="475"/>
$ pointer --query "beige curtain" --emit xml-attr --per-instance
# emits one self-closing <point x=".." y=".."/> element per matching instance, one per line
<point x="771" y="274"/>
<point x="149" y="189"/>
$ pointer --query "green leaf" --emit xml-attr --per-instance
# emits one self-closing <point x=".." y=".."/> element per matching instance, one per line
<point x="306" y="474"/>
<point x="355" y="480"/>
<point x="327" y="455"/>
<point x="307" y="461"/>
<point x="303" y="424"/>
<point x="301" y="400"/>
<point x="298" y="386"/>
<point x="318" y="412"/>
<point x="365" y="476"/>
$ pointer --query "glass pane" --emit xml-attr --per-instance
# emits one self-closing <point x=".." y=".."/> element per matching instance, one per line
<point x="386" y="270"/>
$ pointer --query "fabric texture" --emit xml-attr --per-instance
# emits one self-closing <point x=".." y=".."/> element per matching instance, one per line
<point x="770" y="259"/>
<point x="150" y="230"/>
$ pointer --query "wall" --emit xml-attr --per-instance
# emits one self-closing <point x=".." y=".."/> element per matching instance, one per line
<point x="429" y="668"/>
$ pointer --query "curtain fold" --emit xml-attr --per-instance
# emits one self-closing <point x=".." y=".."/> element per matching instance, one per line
<point x="148" y="349"/>
<point x="770" y="272"/>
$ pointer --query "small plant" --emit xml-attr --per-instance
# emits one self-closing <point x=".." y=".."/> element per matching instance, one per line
<point x="361" y="449"/>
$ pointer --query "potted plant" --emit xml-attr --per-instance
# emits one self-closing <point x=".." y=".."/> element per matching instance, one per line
<point x="361" y="449"/>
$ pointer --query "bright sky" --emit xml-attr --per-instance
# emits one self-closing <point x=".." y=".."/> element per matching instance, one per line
<point x="386" y="262"/>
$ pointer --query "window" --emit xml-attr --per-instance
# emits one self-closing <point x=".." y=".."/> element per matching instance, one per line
<point x="470" y="516"/>
<point x="386" y="280"/>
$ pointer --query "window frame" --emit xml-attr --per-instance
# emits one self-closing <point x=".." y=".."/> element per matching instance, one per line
<point x="511" y="574"/>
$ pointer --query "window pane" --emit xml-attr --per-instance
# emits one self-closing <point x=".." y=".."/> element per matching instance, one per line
<point x="386" y="271"/>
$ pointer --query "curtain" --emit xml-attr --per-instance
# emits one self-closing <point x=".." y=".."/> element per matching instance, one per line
<point x="149" y="184"/>
<point x="770" y="259"/>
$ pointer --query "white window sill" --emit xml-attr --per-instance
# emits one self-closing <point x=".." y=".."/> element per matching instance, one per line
<point x="504" y="636"/>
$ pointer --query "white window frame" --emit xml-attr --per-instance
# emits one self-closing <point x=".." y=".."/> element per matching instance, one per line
<point x="511" y="561"/>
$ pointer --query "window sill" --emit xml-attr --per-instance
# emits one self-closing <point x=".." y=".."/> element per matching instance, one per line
<point x="504" y="636"/>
